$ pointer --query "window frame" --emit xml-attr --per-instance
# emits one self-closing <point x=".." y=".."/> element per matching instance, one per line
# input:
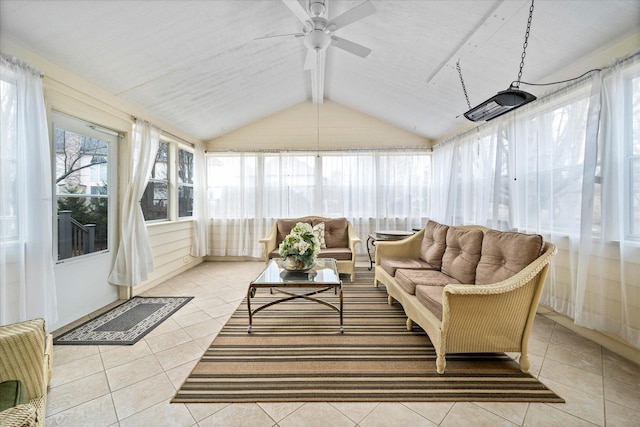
<point x="85" y="128"/>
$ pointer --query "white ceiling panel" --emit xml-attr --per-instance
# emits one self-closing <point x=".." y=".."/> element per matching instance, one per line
<point x="197" y="65"/>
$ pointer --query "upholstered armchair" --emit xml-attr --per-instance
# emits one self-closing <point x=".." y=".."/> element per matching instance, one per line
<point x="26" y="351"/>
<point x="339" y="235"/>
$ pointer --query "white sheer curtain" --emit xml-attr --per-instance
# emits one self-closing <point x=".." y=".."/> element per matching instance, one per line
<point x="567" y="167"/>
<point x="374" y="189"/>
<point x="27" y="286"/>
<point x="134" y="259"/>
<point x="608" y="282"/>
<point x="471" y="180"/>
<point x="200" y="218"/>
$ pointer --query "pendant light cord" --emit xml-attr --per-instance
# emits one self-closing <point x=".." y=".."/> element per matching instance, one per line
<point x="524" y="47"/>
<point x="464" y="88"/>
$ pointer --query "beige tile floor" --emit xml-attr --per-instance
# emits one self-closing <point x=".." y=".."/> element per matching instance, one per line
<point x="132" y="385"/>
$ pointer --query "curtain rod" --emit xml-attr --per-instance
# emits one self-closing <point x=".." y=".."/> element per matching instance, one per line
<point x="531" y="106"/>
<point x="313" y="150"/>
<point x="17" y="62"/>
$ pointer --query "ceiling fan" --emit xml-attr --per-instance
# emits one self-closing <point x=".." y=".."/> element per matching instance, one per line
<point x="317" y="34"/>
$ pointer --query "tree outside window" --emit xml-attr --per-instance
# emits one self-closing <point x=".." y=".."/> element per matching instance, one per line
<point x="155" y="200"/>
<point x="185" y="183"/>
<point x="82" y="193"/>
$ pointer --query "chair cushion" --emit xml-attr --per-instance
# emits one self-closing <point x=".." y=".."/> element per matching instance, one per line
<point x="434" y="243"/>
<point x="340" y="254"/>
<point x="12" y="394"/>
<point x="409" y="279"/>
<point x="336" y="234"/>
<point x="431" y="297"/>
<point x="285" y="226"/>
<point x="461" y="257"/>
<point x="391" y="264"/>
<point x="505" y="253"/>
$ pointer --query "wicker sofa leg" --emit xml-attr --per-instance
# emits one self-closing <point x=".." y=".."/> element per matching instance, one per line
<point x="409" y="324"/>
<point x="525" y="364"/>
<point x="440" y="363"/>
<point x="389" y="300"/>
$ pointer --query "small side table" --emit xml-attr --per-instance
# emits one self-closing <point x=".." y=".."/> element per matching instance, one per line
<point x="385" y="235"/>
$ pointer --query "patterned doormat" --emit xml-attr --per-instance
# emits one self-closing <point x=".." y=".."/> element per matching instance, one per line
<point x="125" y="324"/>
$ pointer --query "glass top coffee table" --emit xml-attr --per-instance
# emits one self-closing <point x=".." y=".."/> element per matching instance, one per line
<point x="322" y="277"/>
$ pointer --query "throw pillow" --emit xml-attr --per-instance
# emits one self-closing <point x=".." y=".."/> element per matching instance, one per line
<point x="319" y="230"/>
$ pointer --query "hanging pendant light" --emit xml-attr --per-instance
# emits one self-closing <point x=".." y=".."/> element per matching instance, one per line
<point x="506" y="100"/>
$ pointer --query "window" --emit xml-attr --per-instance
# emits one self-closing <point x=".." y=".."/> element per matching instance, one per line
<point x="155" y="199"/>
<point x="185" y="183"/>
<point x="82" y="191"/>
<point x="355" y="185"/>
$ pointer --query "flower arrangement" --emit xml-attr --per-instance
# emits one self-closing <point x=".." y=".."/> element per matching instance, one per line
<point x="300" y="247"/>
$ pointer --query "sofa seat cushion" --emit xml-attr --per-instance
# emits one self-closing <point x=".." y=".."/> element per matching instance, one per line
<point x="340" y="254"/>
<point x="391" y="264"/>
<point x="284" y="227"/>
<point x="505" y="253"/>
<point x="462" y="255"/>
<point x="431" y="297"/>
<point x="434" y="243"/>
<point x="409" y="279"/>
<point x="336" y="232"/>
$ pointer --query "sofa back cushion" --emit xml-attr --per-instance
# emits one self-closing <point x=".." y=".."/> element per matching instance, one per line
<point x="434" y="243"/>
<point x="505" y="254"/>
<point x="462" y="254"/>
<point x="285" y="226"/>
<point x="336" y="234"/>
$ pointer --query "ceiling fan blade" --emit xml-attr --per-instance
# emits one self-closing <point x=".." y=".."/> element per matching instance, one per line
<point x="311" y="61"/>
<point x="358" y="12"/>
<point x="297" y="10"/>
<point x="280" y="35"/>
<point x="350" y="47"/>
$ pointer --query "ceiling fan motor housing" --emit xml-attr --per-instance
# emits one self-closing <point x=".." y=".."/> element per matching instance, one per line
<point x="316" y="7"/>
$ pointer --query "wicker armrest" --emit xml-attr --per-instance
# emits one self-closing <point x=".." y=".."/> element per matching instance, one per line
<point x="409" y="247"/>
<point x="497" y="317"/>
<point x="269" y="241"/>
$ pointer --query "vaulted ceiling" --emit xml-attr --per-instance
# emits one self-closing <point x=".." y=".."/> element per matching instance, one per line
<point x="198" y="65"/>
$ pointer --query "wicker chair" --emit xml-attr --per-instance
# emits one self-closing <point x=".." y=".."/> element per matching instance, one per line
<point x="26" y="352"/>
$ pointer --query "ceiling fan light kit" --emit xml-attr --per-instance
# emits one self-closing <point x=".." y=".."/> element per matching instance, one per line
<point x="506" y="100"/>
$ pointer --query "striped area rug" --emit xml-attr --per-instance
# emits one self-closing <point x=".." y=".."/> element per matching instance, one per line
<point x="296" y="353"/>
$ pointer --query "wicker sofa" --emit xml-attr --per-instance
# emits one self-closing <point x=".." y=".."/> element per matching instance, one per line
<point x="26" y="351"/>
<point x="339" y="236"/>
<point x="472" y="289"/>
